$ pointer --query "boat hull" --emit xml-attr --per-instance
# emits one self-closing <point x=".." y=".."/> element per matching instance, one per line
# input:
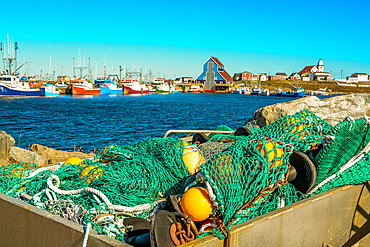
<point x="106" y="90"/>
<point x="6" y="90"/>
<point x="77" y="90"/>
<point x="297" y="95"/>
<point x="129" y="90"/>
<point x="194" y="91"/>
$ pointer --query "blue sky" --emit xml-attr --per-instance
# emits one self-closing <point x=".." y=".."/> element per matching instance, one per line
<point x="174" y="38"/>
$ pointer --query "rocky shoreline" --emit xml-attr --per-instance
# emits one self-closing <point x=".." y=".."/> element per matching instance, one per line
<point x="332" y="110"/>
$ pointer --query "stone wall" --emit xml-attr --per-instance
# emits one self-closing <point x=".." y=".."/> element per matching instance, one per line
<point x="39" y="155"/>
<point x="333" y="110"/>
<point x="6" y="143"/>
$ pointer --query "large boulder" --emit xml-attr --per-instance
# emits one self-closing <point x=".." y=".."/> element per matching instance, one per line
<point x="333" y="110"/>
<point x="6" y="142"/>
<point x="55" y="156"/>
<point x="20" y="155"/>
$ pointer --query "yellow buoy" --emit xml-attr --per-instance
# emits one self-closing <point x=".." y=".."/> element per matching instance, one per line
<point x="92" y="173"/>
<point x="73" y="161"/>
<point x="271" y="152"/>
<point x="196" y="202"/>
<point x="193" y="160"/>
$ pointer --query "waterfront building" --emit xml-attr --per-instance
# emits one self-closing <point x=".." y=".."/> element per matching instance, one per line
<point x="247" y="76"/>
<point x="278" y="77"/>
<point x="214" y="76"/>
<point x="358" y="77"/>
<point x="315" y="72"/>
<point x="237" y="77"/>
<point x="259" y="77"/>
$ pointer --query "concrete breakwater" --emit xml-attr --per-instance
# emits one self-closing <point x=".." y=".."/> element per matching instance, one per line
<point x="332" y="110"/>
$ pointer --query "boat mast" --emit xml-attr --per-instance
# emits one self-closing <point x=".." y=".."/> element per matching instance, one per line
<point x="105" y="66"/>
<point x="2" y="49"/>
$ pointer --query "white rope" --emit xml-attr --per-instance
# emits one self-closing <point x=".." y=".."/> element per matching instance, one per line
<point x="88" y="227"/>
<point x="205" y="226"/>
<point x="346" y="166"/>
<point x="55" y="188"/>
<point x="35" y="172"/>
<point x="211" y="194"/>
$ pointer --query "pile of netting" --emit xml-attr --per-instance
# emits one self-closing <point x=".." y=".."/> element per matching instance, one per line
<point x="245" y="176"/>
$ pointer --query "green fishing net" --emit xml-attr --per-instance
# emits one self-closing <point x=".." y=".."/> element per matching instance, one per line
<point x="246" y="176"/>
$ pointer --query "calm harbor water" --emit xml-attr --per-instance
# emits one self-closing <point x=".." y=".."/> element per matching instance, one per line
<point x="93" y="122"/>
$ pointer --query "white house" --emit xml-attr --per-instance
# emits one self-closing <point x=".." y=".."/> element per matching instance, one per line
<point x="259" y="77"/>
<point x="361" y="76"/>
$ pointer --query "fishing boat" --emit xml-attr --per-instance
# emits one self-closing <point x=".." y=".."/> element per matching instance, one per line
<point x="278" y="92"/>
<point x="264" y="92"/>
<point x="173" y="89"/>
<point x="194" y="89"/>
<point x="108" y="85"/>
<point x="83" y="87"/>
<point x="255" y="90"/>
<point x="152" y="89"/>
<point x="50" y="90"/>
<point x="134" y="87"/>
<point x="10" y="85"/>
<point x="163" y="88"/>
<point x="297" y="92"/>
<point x="321" y="91"/>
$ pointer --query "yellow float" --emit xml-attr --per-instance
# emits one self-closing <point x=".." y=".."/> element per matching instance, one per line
<point x="73" y="161"/>
<point x="91" y="173"/>
<point x="272" y="152"/>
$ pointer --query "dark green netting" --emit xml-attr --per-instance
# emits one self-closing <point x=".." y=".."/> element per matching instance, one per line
<point x="246" y="175"/>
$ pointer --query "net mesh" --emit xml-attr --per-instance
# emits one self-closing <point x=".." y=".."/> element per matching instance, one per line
<point x="246" y="176"/>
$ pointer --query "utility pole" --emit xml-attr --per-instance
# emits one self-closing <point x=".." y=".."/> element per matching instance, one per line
<point x="341" y="74"/>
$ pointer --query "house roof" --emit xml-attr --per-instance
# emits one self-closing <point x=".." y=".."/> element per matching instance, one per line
<point x="283" y="74"/>
<point x="217" y="61"/>
<point x="225" y="75"/>
<point x="247" y="72"/>
<point x="306" y="69"/>
<point x="360" y="74"/>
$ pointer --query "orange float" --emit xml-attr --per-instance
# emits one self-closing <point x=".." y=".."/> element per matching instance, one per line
<point x="196" y="202"/>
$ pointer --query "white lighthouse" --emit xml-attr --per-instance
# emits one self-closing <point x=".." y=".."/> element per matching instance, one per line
<point x="320" y="66"/>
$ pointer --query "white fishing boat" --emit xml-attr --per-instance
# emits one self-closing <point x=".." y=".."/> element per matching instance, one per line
<point x="321" y="91"/>
<point x="10" y="85"/>
<point x="50" y="90"/>
<point x="194" y="89"/>
<point x="163" y="88"/>
<point x="264" y="92"/>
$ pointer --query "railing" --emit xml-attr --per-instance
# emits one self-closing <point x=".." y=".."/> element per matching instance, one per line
<point x="198" y="131"/>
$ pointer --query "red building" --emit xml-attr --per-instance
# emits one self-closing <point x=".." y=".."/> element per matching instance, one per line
<point x="247" y="76"/>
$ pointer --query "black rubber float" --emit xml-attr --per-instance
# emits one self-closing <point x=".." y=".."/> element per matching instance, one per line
<point x="160" y="225"/>
<point x="200" y="138"/>
<point x="242" y="131"/>
<point x="302" y="173"/>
